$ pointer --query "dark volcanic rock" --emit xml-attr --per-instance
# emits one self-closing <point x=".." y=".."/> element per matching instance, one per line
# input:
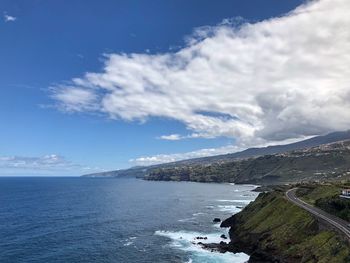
<point x="261" y="257"/>
<point x="222" y="247"/>
<point x="228" y="222"/>
<point x="217" y="220"/>
<point x="223" y="236"/>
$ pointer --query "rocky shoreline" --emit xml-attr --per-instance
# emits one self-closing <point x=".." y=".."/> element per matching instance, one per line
<point x="271" y="229"/>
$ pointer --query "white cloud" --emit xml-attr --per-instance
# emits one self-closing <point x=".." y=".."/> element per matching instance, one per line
<point x="171" y="137"/>
<point x="46" y="164"/>
<point x="167" y="158"/>
<point x="75" y="98"/>
<point x="8" y="18"/>
<point x="176" y="137"/>
<point x="278" y="79"/>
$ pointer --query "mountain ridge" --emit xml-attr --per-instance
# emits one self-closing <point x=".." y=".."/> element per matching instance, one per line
<point x="141" y="171"/>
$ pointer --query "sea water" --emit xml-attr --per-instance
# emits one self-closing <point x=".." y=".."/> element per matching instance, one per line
<point x="114" y="220"/>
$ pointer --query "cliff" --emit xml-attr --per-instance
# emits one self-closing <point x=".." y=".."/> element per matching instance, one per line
<point x="271" y="229"/>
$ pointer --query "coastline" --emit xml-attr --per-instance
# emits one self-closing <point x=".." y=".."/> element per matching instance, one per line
<point x="204" y="243"/>
<point x="125" y="215"/>
<point x="271" y="229"/>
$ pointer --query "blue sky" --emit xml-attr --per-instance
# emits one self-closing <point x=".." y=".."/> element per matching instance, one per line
<point x="46" y="45"/>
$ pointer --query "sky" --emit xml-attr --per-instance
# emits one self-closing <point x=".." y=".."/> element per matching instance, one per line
<point x="89" y="86"/>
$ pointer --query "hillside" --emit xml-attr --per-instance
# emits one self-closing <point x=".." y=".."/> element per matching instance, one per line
<point x="222" y="159"/>
<point x="271" y="229"/>
<point x="320" y="163"/>
<point x="326" y="197"/>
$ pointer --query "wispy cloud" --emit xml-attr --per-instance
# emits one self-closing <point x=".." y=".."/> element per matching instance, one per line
<point x="171" y="137"/>
<point x="46" y="164"/>
<point x="75" y="98"/>
<point x="8" y="18"/>
<point x="177" y="137"/>
<point x="166" y="158"/>
<point x="282" y="78"/>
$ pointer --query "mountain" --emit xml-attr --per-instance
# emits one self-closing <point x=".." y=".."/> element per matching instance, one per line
<point x="138" y="171"/>
<point x="220" y="160"/>
<point x="325" y="162"/>
<point x="251" y="152"/>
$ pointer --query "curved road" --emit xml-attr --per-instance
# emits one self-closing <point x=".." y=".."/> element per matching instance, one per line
<point x="334" y="221"/>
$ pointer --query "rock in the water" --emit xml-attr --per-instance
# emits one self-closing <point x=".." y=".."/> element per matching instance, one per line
<point x="217" y="220"/>
<point x="223" y="236"/>
<point x="222" y="247"/>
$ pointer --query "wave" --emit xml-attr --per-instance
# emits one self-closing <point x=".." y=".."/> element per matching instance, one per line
<point x="190" y="219"/>
<point x="229" y="208"/>
<point x="235" y="201"/>
<point x="197" y="214"/>
<point x="128" y="244"/>
<point x="129" y="241"/>
<point x="217" y="225"/>
<point x="186" y="241"/>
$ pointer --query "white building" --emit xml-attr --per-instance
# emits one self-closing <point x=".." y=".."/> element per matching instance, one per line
<point x="345" y="192"/>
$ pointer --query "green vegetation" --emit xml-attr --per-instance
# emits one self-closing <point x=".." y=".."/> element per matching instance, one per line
<point x="273" y="225"/>
<point x="337" y="206"/>
<point x="327" y="198"/>
<point x="322" y="163"/>
<point x="310" y="193"/>
<point x="223" y="172"/>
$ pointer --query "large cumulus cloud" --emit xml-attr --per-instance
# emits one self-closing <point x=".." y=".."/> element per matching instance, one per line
<point x="278" y="79"/>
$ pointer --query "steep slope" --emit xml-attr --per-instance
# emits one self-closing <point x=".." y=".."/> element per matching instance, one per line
<point x="271" y="229"/>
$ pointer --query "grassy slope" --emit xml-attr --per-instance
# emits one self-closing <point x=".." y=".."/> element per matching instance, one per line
<point x="312" y="193"/>
<point x="285" y="229"/>
<point x="327" y="198"/>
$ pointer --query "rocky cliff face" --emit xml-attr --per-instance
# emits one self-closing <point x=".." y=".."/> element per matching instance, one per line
<point x="273" y="230"/>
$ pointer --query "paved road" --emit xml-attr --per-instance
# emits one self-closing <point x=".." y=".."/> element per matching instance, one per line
<point x="334" y="221"/>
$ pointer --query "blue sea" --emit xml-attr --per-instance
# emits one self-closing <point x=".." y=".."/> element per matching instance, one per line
<point x="114" y="220"/>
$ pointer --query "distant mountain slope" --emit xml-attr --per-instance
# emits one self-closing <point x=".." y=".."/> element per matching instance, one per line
<point x="325" y="162"/>
<point x="138" y="171"/>
<point x="251" y="152"/>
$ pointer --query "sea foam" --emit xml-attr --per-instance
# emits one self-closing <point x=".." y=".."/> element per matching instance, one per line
<point x="229" y="208"/>
<point x="235" y="201"/>
<point x="186" y="241"/>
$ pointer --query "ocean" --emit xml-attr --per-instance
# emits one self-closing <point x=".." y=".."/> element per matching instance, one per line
<point x="109" y="220"/>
